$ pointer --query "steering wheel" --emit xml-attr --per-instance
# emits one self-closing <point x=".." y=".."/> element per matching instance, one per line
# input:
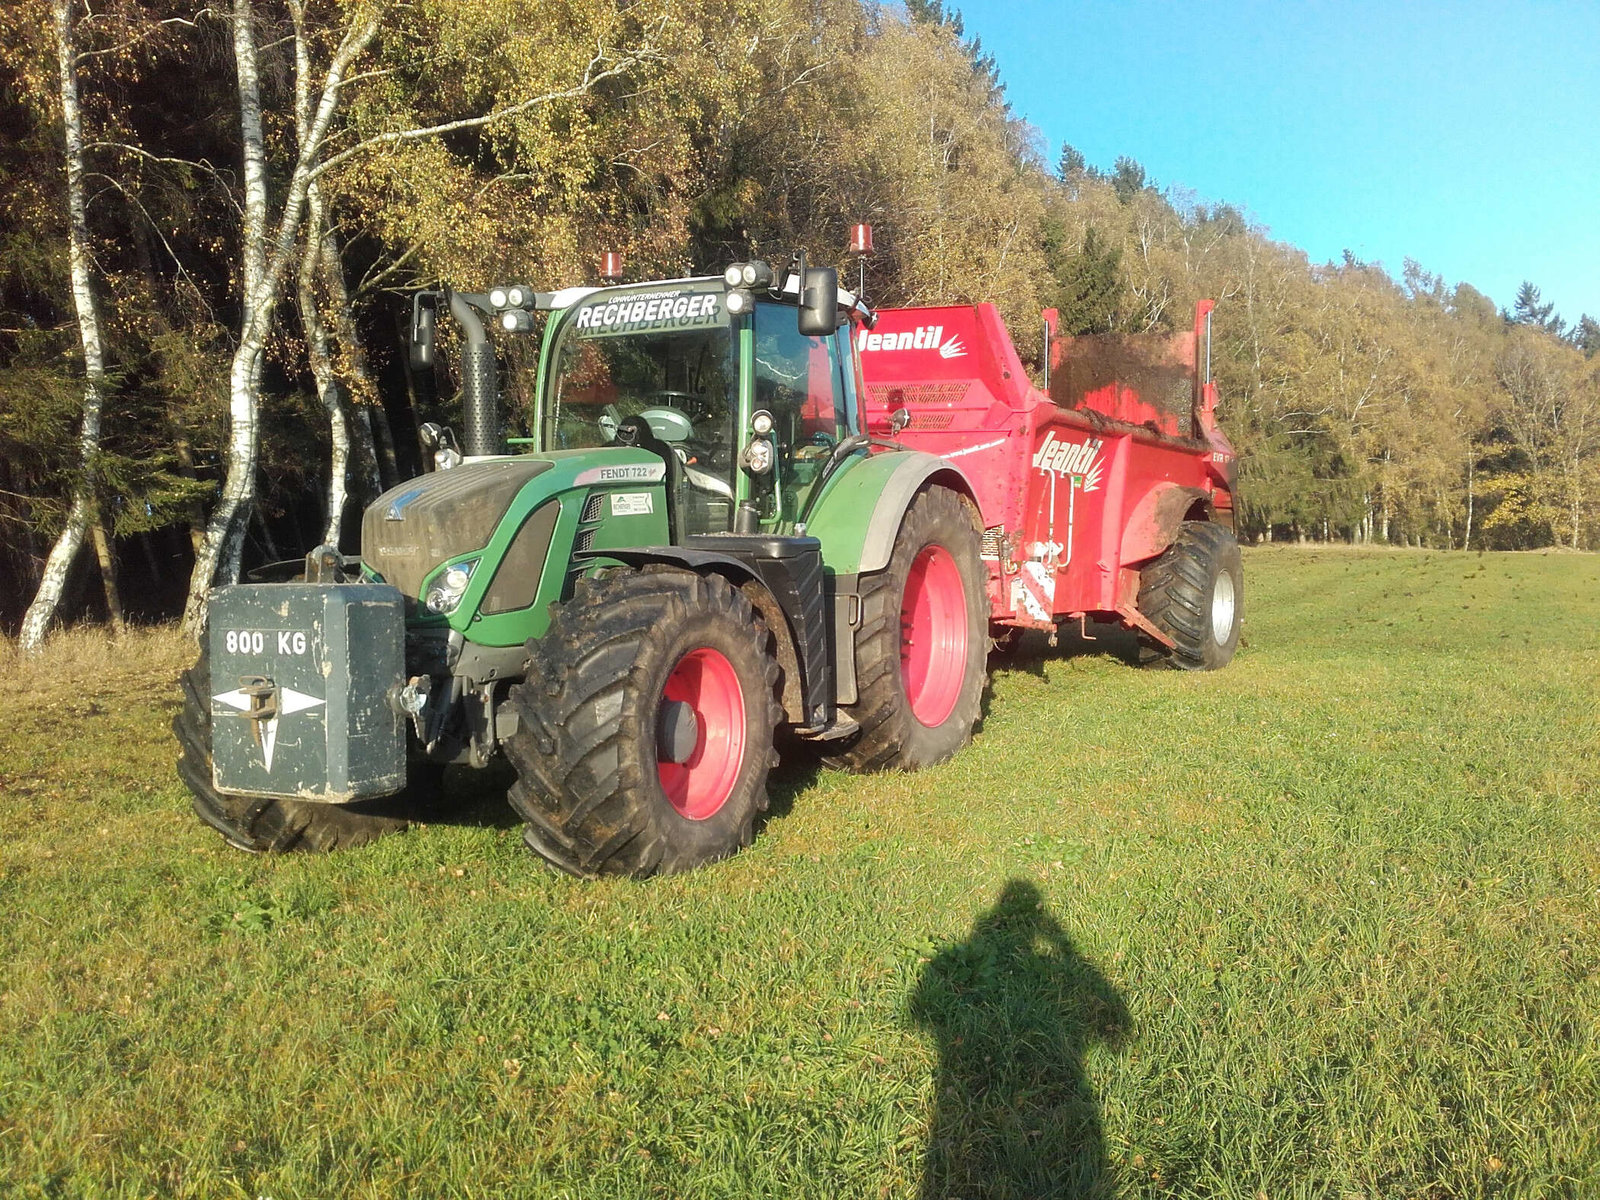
<point x="669" y="423"/>
<point x="691" y="404"/>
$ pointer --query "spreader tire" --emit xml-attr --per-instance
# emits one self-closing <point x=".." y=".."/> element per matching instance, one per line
<point x="1194" y="593"/>
<point x="645" y="725"/>
<point x="923" y="642"/>
<point x="265" y="823"/>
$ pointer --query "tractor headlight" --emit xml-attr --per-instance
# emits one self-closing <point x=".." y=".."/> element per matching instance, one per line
<point x="757" y="457"/>
<point x="445" y="592"/>
<point x="515" y="320"/>
<point x="740" y="302"/>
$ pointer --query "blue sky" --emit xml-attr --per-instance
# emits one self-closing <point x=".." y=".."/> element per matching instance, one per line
<point x="1466" y="136"/>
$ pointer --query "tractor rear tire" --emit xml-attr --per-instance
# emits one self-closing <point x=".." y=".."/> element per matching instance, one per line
<point x="258" y="824"/>
<point x="922" y="647"/>
<point x="645" y="725"/>
<point x="1194" y="593"/>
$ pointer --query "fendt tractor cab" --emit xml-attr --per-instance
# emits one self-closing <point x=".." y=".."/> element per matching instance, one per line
<point x="699" y="544"/>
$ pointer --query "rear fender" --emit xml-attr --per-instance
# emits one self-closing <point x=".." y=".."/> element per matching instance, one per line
<point x="857" y="520"/>
<point x="1154" y="521"/>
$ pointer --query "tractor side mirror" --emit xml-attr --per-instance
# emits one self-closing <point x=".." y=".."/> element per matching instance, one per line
<point x="422" y="332"/>
<point x="819" y="302"/>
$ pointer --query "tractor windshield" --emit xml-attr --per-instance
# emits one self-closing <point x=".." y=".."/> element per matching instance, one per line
<point x="666" y="356"/>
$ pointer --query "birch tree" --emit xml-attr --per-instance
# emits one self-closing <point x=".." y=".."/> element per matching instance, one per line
<point x="84" y="500"/>
<point x="270" y="240"/>
<point x="319" y="351"/>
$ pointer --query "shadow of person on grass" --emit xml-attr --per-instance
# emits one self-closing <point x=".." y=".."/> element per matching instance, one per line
<point x="1014" y="1007"/>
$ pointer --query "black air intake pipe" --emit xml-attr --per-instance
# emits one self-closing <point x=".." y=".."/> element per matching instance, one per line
<point x="480" y="416"/>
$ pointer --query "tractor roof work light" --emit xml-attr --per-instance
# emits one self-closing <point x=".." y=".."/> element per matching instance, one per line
<point x="512" y="295"/>
<point x="740" y="302"/>
<point x="516" y="320"/>
<point x="752" y="274"/>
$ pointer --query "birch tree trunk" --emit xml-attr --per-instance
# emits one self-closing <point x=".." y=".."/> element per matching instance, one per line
<point x="46" y="600"/>
<point x="319" y="352"/>
<point x="373" y="444"/>
<point x="262" y="268"/>
<point x="104" y="553"/>
<point x="225" y="530"/>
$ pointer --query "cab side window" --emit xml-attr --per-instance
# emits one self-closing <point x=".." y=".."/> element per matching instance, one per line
<point x="800" y="381"/>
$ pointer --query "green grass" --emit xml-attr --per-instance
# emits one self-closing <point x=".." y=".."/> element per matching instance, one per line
<point x="1324" y="924"/>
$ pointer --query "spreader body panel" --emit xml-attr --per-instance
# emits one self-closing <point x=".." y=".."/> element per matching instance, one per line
<point x="1076" y="487"/>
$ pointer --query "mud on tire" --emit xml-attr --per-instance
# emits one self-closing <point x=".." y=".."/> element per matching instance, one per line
<point x="933" y="588"/>
<point x="604" y="783"/>
<point x="1194" y="593"/>
<point x="266" y="823"/>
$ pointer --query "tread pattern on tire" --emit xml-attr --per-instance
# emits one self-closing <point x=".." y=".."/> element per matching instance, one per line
<point x="586" y="778"/>
<point x="261" y="824"/>
<point x="891" y="738"/>
<point x="1175" y="594"/>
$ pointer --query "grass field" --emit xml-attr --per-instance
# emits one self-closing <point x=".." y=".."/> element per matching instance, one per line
<point x="1324" y="924"/>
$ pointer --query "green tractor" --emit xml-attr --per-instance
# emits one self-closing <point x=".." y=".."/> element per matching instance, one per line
<point x="700" y="548"/>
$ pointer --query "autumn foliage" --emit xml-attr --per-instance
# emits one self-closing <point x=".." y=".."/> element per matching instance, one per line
<point x="517" y="139"/>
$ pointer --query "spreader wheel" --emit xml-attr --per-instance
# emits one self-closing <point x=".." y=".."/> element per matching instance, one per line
<point x="645" y="725"/>
<point x="1194" y="593"/>
<point x="923" y="642"/>
<point x="267" y="823"/>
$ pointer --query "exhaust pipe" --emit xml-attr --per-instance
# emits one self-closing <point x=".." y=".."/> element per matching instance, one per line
<point x="480" y="416"/>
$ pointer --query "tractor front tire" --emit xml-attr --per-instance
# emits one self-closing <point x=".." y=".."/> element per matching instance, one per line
<point x="923" y="643"/>
<point x="645" y="725"/>
<point x="1194" y="593"/>
<point x="259" y="824"/>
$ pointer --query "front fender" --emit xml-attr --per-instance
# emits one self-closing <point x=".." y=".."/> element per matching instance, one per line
<point x="859" y="515"/>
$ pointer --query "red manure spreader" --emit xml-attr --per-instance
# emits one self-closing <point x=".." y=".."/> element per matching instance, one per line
<point x="1107" y="496"/>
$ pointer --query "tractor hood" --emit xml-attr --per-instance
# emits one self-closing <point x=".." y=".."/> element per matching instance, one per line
<point x="411" y="529"/>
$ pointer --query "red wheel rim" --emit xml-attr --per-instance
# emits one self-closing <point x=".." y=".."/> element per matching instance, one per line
<point x="705" y="680"/>
<point x="933" y="636"/>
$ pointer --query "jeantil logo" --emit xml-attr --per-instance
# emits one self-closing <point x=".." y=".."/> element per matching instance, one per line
<point x="1070" y="458"/>
<point x="923" y="337"/>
